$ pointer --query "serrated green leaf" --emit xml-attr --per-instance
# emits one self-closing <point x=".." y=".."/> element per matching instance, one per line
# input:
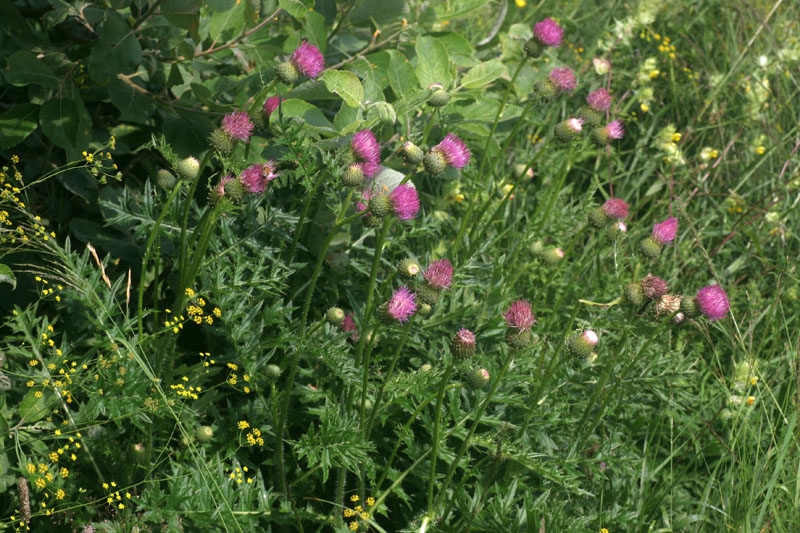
<point x="346" y="85"/>
<point x="24" y="68"/>
<point x="433" y="63"/>
<point x="483" y="74"/>
<point x="17" y="123"/>
<point x="7" y="276"/>
<point x="317" y="30"/>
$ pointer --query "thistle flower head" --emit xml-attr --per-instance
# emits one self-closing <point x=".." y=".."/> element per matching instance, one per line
<point x="568" y="129"/>
<point x="402" y="305"/>
<point x="463" y="344"/>
<point x="365" y="147"/>
<point x="405" y="202"/>
<point x="455" y="152"/>
<point x="548" y="33"/>
<point x="615" y="129"/>
<point x="563" y="79"/>
<point x="713" y="302"/>
<point x="220" y="189"/>
<point x="439" y="274"/>
<point x="582" y="343"/>
<point x="519" y="316"/>
<point x="238" y="125"/>
<point x="308" y="60"/>
<point x="664" y="232"/>
<point x="599" y="100"/>
<point x="615" y="208"/>
<point x="255" y="177"/>
<point x="271" y="105"/>
<point x="348" y="325"/>
<point x="654" y="287"/>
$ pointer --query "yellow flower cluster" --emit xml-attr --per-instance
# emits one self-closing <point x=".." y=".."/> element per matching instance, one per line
<point x="114" y="498"/>
<point x="358" y="513"/>
<point x="233" y="378"/>
<point x="237" y="475"/>
<point x="190" y="392"/>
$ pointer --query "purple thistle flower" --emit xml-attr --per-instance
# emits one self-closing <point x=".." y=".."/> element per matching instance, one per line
<point x="308" y="60"/>
<point x="713" y="302"/>
<point x="402" y="304"/>
<point x="256" y="177"/>
<point x="463" y="344"/>
<point x="271" y="105"/>
<point x="599" y="100"/>
<point x="348" y="325"/>
<point x="439" y="274"/>
<point x="237" y="125"/>
<point x="615" y="130"/>
<point x="519" y="315"/>
<point x="454" y="151"/>
<point x="405" y="202"/>
<point x="563" y="79"/>
<point x="615" y="208"/>
<point x="548" y="33"/>
<point x="369" y="168"/>
<point x="664" y="232"/>
<point x="363" y="204"/>
<point x="654" y="287"/>
<point x="367" y="151"/>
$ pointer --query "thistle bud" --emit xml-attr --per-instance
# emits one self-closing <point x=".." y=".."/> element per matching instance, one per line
<point x="165" y="179"/>
<point x="204" y="433"/>
<point x="334" y="316"/>
<point x="353" y="176"/>
<point x="188" y="168"/>
<point x="615" y="228"/>
<point x="634" y="294"/>
<point x="690" y="307"/>
<point x="569" y="129"/>
<point x="598" y="217"/>
<point x="553" y="256"/>
<point x="428" y="294"/>
<point x="272" y="372"/>
<point x="650" y="247"/>
<point x="591" y="117"/>
<point x="434" y="162"/>
<point x="286" y="72"/>
<point x="537" y="248"/>
<point x="424" y="309"/>
<point x="463" y="344"/>
<point x="380" y="205"/>
<point x="544" y="90"/>
<point x="234" y="190"/>
<point x="139" y="452"/>
<point x="477" y="378"/>
<point x="413" y="153"/>
<point x="408" y="268"/>
<point x="582" y="344"/>
<point x="590" y="359"/>
<point x="439" y="97"/>
<point x="654" y="287"/>
<point x="221" y="141"/>
<point x="425" y="368"/>
<point x="520" y="172"/>
<point x="518" y="339"/>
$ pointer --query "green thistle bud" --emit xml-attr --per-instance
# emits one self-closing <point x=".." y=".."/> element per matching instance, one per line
<point x="591" y="117"/>
<point x="334" y="316"/>
<point x="424" y="309"/>
<point x="272" y="372"/>
<point x="413" y="153"/>
<point x="353" y="176"/>
<point x="380" y="205"/>
<point x="139" y="452"/>
<point x="518" y="339"/>
<point x="234" y="190"/>
<point x="408" y="268"/>
<point x="165" y="179"/>
<point x="553" y="256"/>
<point x="188" y="168"/>
<point x="520" y="172"/>
<point x="286" y="72"/>
<point x="537" y="248"/>
<point x="634" y="294"/>
<point x="439" y="98"/>
<point x="463" y="344"/>
<point x="650" y="247"/>
<point x="568" y="130"/>
<point x="533" y="48"/>
<point x="425" y="368"/>
<point x="544" y="90"/>
<point x="477" y="378"/>
<point x="689" y="307"/>
<point x="204" y="433"/>
<point x="614" y="229"/>
<point x="598" y="217"/>
<point x="428" y="294"/>
<point x="221" y="141"/>
<point x="372" y="221"/>
<point x="582" y="343"/>
<point x="590" y="359"/>
<point x="434" y="162"/>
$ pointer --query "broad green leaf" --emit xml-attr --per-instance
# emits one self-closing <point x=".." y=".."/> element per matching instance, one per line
<point x="226" y="21"/>
<point x="461" y="8"/>
<point x="17" y="123"/>
<point x="117" y="52"/>
<point x="460" y="50"/>
<point x="483" y="74"/>
<point x="293" y="108"/>
<point x="380" y="11"/>
<point x="520" y="31"/>
<point x="7" y="276"/>
<point x="346" y="85"/>
<point x="348" y="118"/>
<point x="133" y="105"/>
<point x="60" y="121"/>
<point x="182" y="13"/>
<point x="317" y="30"/>
<point x="402" y="77"/>
<point x="433" y="63"/>
<point x="295" y="8"/>
<point x="24" y="68"/>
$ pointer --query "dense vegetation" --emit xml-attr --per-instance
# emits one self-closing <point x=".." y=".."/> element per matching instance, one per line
<point x="460" y="265"/>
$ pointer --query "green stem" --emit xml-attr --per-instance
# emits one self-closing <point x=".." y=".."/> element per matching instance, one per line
<point x="437" y="421"/>
<point x="556" y="188"/>
<point x="148" y="250"/>
<point x="498" y="380"/>
<point x="187" y="207"/>
<point x="463" y="228"/>
<point x="307" y="205"/>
